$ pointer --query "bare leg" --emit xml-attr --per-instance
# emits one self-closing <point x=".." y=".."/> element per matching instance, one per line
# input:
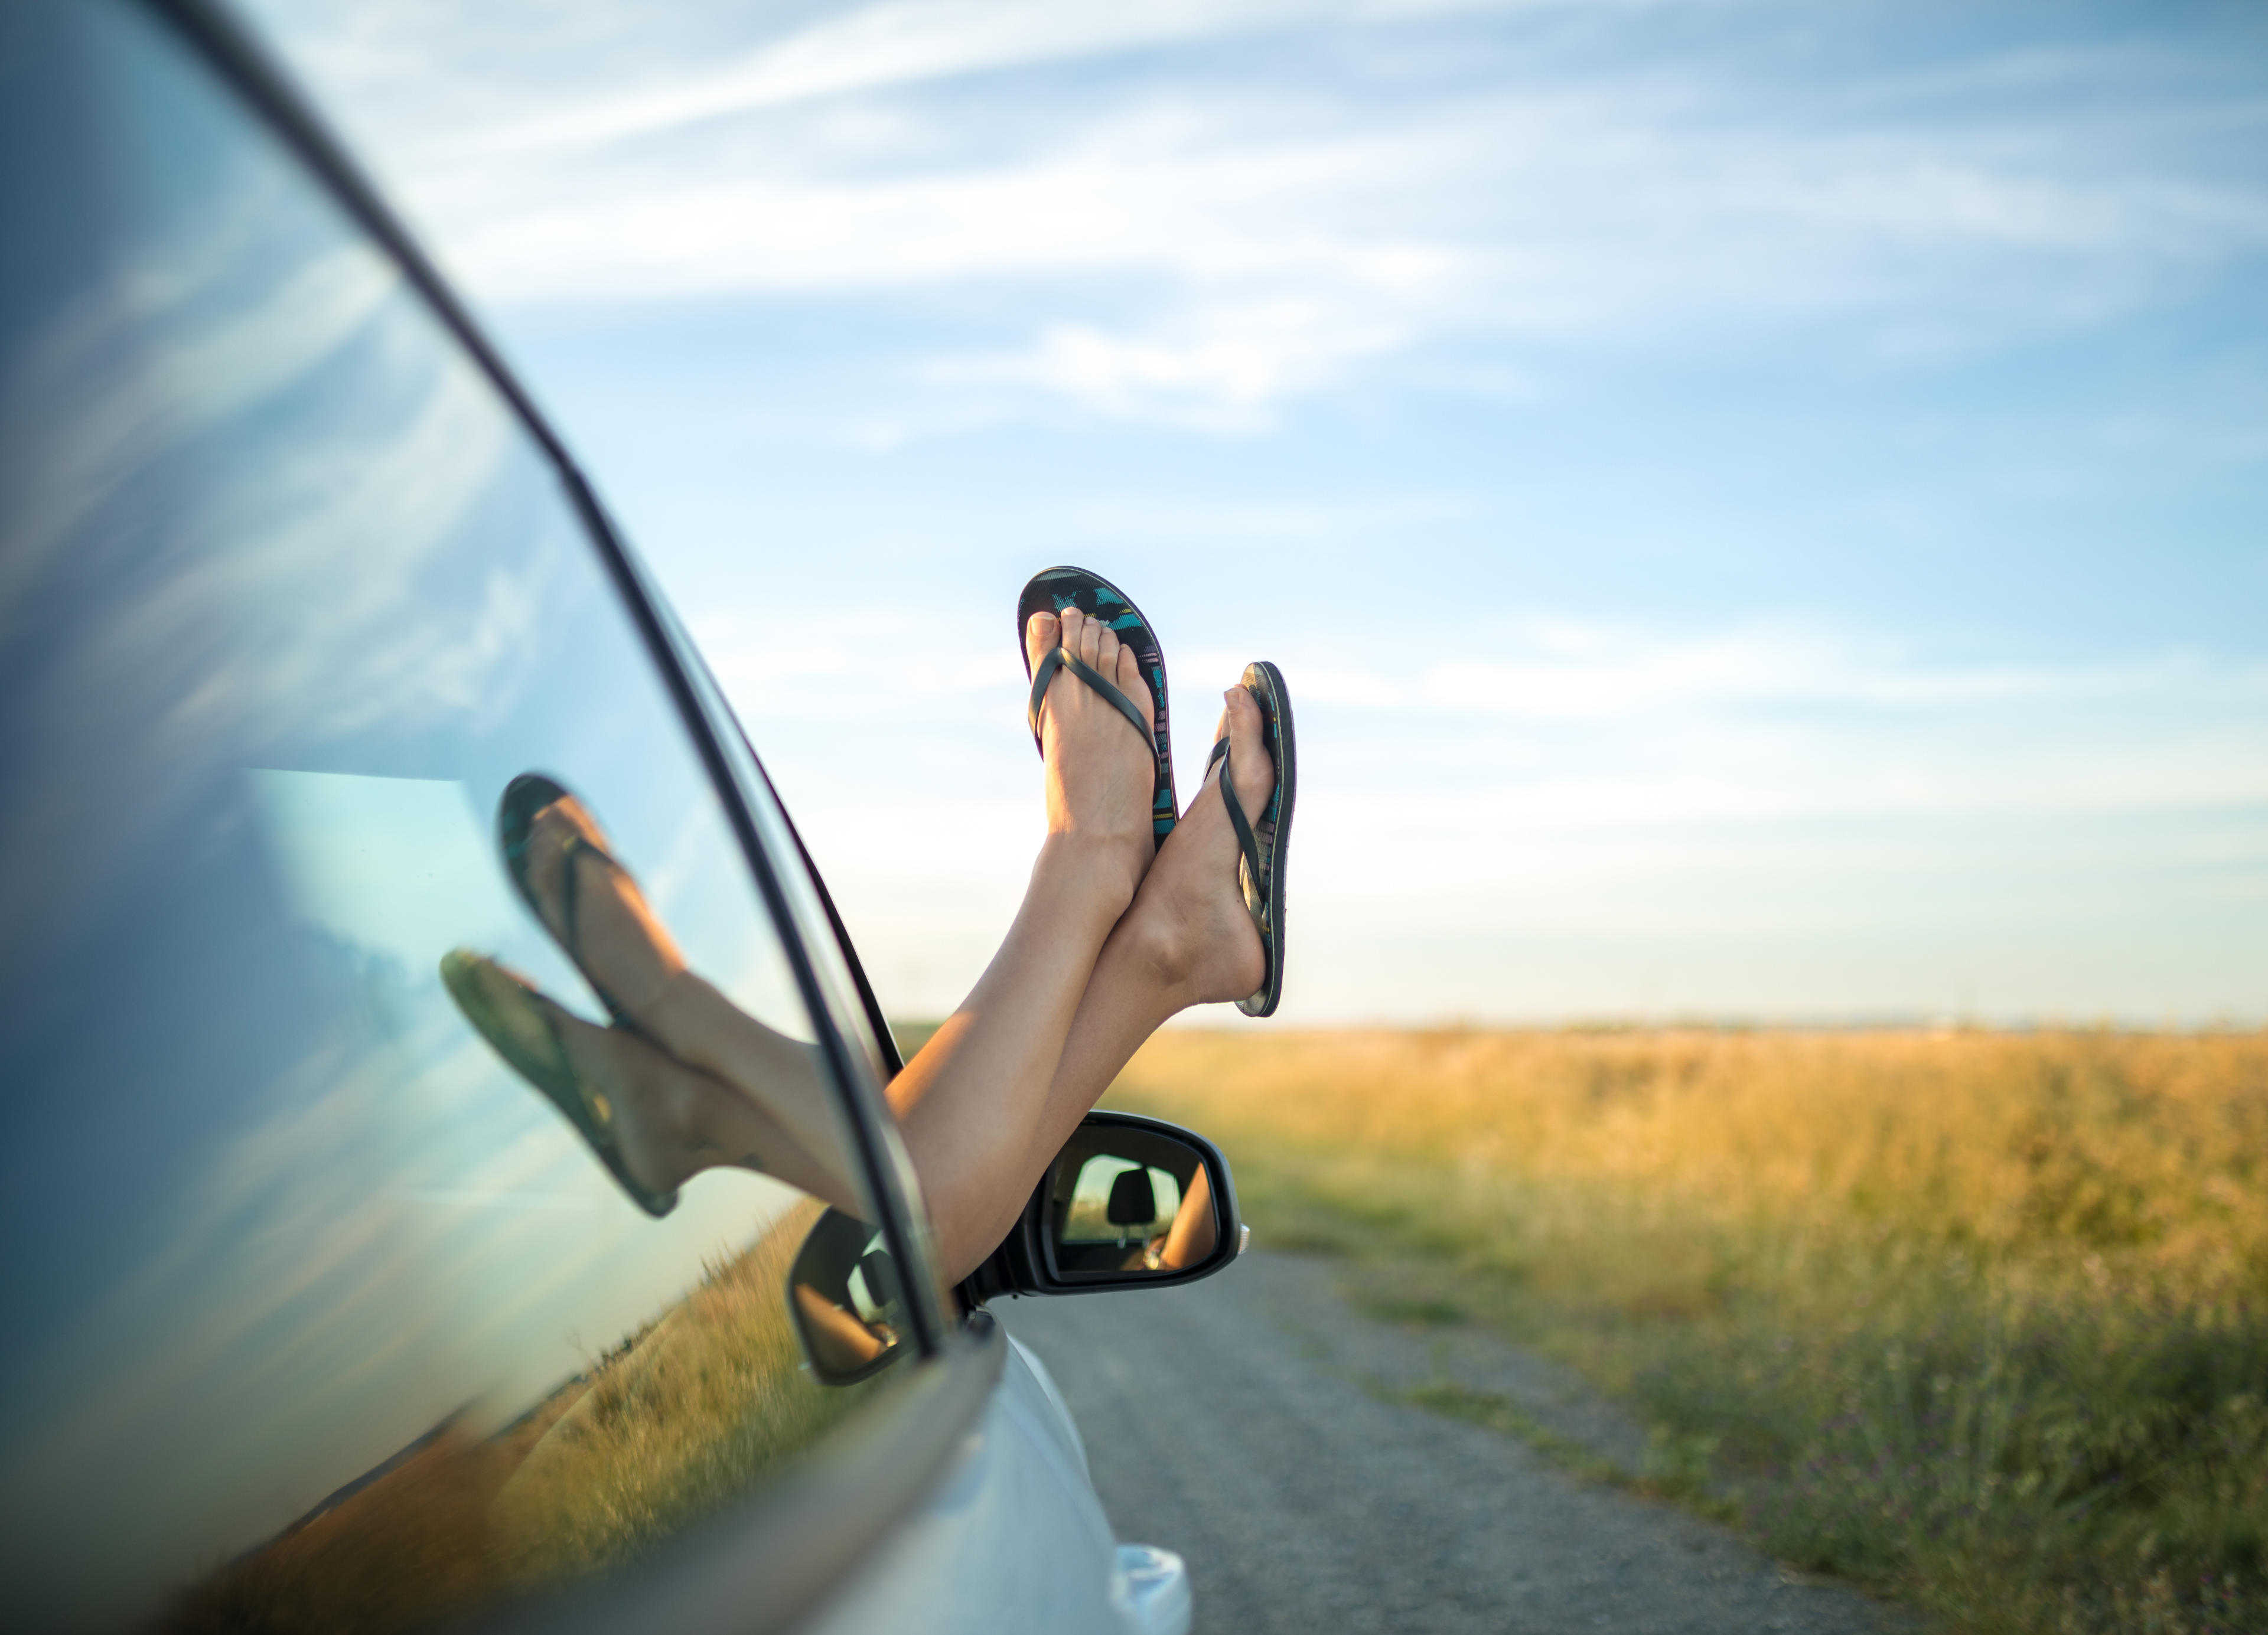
<point x="1193" y="1234"/>
<point x="1080" y="982"/>
<point x="968" y="1099"/>
<point x="674" y="1122"/>
<point x="1186" y="940"/>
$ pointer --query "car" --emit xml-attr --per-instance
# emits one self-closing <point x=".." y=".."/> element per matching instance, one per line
<point x="334" y="1300"/>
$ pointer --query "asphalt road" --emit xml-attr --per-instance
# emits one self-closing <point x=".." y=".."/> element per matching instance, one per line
<point x="1248" y="1422"/>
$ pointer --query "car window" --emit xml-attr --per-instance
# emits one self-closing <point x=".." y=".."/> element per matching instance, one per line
<point x="376" y="943"/>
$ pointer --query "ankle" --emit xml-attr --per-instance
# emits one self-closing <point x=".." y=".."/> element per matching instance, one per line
<point x="1089" y="876"/>
<point x="1162" y="942"/>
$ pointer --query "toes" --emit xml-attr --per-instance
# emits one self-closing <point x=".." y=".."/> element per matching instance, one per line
<point x="1129" y="677"/>
<point x="1041" y="637"/>
<point x="1107" y="649"/>
<point x="1072" y="631"/>
<point x="1247" y="752"/>
<point x="567" y="817"/>
<point x="1093" y="632"/>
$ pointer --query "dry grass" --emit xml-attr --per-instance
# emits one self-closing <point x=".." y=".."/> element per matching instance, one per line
<point x="678" y="1420"/>
<point x="1981" y="1318"/>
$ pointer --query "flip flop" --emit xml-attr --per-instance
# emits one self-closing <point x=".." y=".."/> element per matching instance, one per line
<point x="1265" y="845"/>
<point x="1052" y="590"/>
<point x="523" y="798"/>
<point x="522" y="1026"/>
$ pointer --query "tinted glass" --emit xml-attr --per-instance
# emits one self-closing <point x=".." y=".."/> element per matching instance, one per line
<point x="350" y="1076"/>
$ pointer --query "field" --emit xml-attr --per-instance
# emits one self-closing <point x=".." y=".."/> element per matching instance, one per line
<point x="1978" y="1319"/>
<point x="680" y="1420"/>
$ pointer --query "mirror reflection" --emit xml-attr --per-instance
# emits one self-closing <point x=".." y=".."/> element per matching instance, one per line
<point x="684" y="1079"/>
<point x="847" y="1302"/>
<point x="1124" y="1199"/>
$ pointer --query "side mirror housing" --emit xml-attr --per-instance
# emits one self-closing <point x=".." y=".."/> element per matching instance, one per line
<point x="1130" y="1202"/>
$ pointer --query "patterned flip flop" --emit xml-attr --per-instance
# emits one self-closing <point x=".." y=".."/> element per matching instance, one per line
<point x="1051" y="591"/>
<point x="1267" y="843"/>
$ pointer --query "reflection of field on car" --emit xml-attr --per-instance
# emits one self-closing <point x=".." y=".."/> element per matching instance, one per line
<point x="1982" y="1318"/>
<point x="661" y="1429"/>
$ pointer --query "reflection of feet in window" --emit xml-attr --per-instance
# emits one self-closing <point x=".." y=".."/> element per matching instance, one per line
<point x="560" y="860"/>
<point x="587" y="1073"/>
<point x="591" y="903"/>
<point x="653" y="1122"/>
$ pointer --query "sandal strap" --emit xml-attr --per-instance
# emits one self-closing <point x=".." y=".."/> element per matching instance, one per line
<point x="571" y="854"/>
<point x="1060" y="657"/>
<point x="1245" y="840"/>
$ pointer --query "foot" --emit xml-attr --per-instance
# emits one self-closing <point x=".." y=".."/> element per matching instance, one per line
<point x="659" y="1112"/>
<point x="1101" y="774"/>
<point x="616" y="938"/>
<point x="623" y="947"/>
<point x="670" y="1120"/>
<point x="1189" y="914"/>
<point x="653" y="1113"/>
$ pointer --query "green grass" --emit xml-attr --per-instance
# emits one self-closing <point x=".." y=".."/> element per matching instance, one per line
<point x="1979" y="1320"/>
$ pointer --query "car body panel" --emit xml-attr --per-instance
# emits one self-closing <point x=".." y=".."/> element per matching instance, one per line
<point x="1011" y="1538"/>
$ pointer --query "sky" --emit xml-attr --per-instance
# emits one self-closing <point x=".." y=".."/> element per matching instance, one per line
<point x="1762" y="508"/>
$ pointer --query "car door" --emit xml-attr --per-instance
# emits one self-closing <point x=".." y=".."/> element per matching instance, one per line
<point x="336" y="1300"/>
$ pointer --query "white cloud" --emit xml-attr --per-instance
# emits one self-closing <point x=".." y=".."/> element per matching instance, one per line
<point x="1141" y="216"/>
<point x="904" y="43"/>
<point x="1203" y="215"/>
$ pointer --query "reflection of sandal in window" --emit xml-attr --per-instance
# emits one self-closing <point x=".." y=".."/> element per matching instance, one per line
<point x="524" y="798"/>
<point x="523" y="1026"/>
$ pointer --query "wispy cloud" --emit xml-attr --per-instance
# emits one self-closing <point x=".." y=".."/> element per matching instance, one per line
<point x="1128" y="210"/>
<point x="911" y="42"/>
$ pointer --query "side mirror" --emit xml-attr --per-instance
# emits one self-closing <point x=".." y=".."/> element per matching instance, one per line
<point x="847" y="1301"/>
<point x="1130" y="1202"/>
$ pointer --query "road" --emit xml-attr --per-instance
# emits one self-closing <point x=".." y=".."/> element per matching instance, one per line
<point x="1249" y="1422"/>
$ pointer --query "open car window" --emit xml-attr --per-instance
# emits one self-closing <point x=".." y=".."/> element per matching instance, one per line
<point x="353" y="845"/>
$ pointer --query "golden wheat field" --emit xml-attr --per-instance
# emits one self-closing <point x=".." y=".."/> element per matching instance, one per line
<point x="1978" y="1318"/>
<point x="679" y="1418"/>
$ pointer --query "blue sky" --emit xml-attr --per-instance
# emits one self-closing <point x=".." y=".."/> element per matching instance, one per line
<point x="1763" y="507"/>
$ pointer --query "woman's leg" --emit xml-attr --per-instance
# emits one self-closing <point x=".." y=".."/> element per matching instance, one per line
<point x="1186" y="940"/>
<point x="968" y="1100"/>
<point x="1080" y="981"/>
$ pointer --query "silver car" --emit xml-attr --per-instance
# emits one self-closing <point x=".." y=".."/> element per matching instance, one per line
<point x="325" y="1311"/>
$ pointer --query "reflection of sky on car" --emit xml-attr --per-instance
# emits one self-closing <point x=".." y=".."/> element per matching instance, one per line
<point x="298" y="1213"/>
<point x="397" y="865"/>
<point x="405" y="868"/>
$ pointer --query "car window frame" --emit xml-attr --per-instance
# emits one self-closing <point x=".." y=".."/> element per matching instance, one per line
<point x="760" y="1564"/>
